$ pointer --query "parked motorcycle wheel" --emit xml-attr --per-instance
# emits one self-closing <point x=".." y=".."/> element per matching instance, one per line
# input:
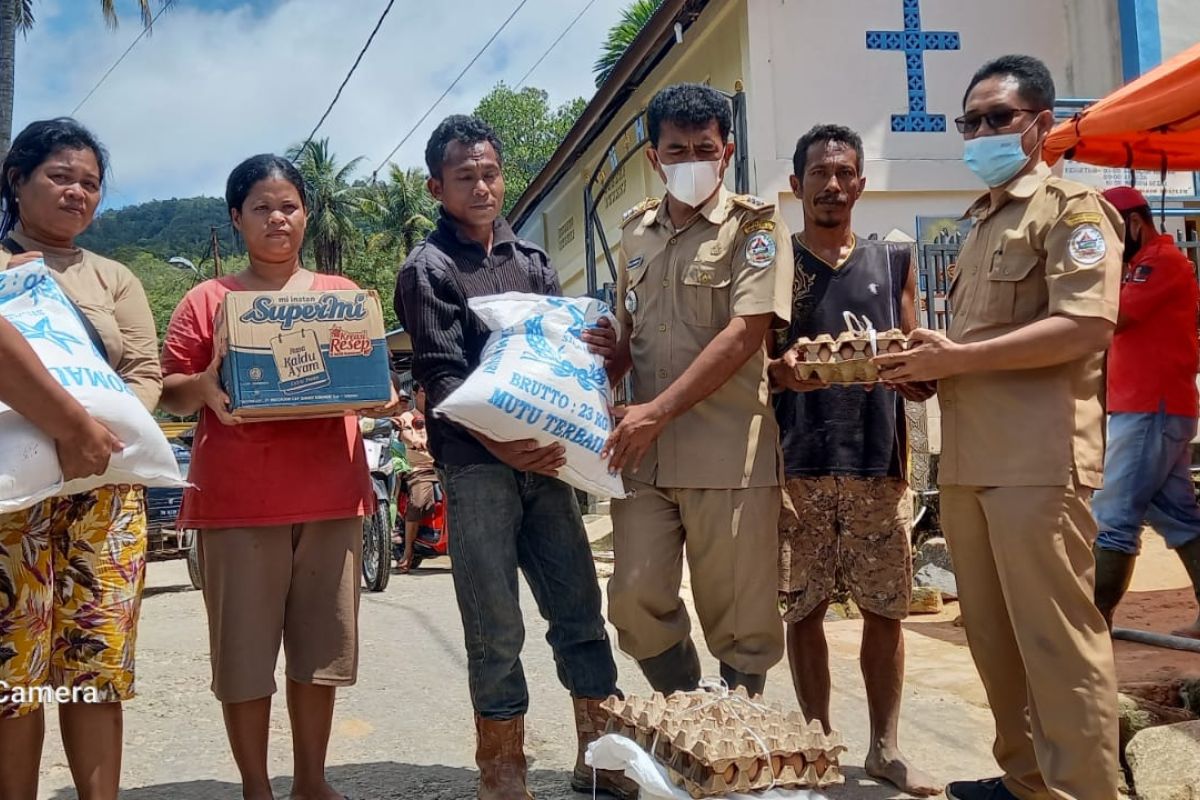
<point x="193" y="559"/>
<point x="377" y="549"/>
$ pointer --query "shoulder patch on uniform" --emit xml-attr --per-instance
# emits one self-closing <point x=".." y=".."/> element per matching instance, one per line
<point x="760" y="250"/>
<point x="1086" y="245"/>
<point x="1084" y="218"/>
<point x="755" y="225"/>
<point x="752" y="202"/>
<point x="641" y="208"/>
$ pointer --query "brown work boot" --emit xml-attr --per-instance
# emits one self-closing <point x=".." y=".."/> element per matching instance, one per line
<point x="589" y="724"/>
<point x="500" y="754"/>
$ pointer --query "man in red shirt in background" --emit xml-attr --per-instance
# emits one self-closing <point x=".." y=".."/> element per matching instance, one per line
<point x="1152" y="407"/>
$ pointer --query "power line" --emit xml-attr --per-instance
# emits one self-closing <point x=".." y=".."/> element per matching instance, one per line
<point x="349" y="74"/>
<point x="117" y="63"/>
<point x="449" y="88"/>
<point x="554" y="44"/>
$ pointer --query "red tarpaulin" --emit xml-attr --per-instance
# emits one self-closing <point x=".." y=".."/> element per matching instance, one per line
<point x="1151" y="123"/>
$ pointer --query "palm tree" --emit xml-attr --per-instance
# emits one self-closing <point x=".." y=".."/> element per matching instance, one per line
<point x="399" y="211"/>
<point x="332" y="202"/>
<point x="621" y="35"/>
<point x="17" y="16"/>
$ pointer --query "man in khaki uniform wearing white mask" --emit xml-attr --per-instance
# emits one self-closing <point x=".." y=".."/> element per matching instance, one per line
<point x="704" y="275"/>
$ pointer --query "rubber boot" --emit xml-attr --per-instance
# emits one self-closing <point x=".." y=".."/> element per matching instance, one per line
<point x="590" y="722"/>
<point x="675" y="670"/>
<point x="754" y="684"/>
<point x="500" y="754"/>
<point x="1114" y="571"/>
<point x="1189" y="554"/>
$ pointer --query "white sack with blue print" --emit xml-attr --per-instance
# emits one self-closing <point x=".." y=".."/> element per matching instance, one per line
<point x="29" y="472"/>
<point x="537" y="380"/>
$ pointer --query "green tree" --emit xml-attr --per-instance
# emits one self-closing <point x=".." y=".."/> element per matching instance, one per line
<point x="333" y="203"/>
<point x="529" y="129"/>
<point x="620" y="36"/>
<point x="17" y="16"/>
<point x="397" y="212"/>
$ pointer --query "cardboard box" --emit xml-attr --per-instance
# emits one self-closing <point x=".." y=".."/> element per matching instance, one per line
<point x="296" y="355"/>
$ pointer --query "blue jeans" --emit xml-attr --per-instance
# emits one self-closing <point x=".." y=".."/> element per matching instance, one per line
<point x="500" y="521"/>
<point x="1147" y="479"/>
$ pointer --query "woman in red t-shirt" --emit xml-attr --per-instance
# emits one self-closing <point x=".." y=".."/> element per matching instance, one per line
<point x="278" y="504"/>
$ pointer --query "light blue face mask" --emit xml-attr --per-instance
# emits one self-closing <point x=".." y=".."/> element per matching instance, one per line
<point x="996" y="159"/>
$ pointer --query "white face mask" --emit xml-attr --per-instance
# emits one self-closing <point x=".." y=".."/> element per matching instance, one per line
<point x="693" y="182"/>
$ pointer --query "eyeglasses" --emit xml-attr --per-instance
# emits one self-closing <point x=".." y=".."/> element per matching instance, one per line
<point x="1000" y="118"/>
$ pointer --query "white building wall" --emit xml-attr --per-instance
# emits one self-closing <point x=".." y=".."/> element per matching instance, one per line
<point x="1179" y="24"/>
<point x="809" y="63"/>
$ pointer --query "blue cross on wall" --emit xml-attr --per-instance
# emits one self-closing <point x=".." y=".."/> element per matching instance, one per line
<point x="913" y="42"/>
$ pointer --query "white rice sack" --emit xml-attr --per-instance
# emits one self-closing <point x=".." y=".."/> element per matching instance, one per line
<point x="29" y="472"/>
<point x="537" y="380"/>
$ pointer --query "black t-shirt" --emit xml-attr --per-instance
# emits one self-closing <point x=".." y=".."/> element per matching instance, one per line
<point x="845" y="430"/>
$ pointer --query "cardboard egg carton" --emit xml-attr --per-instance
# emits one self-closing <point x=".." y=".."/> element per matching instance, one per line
<point x="714" y="744"/>
<point x="846" y="359"/>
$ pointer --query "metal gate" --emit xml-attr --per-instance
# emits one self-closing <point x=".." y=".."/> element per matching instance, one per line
<point x="936" y="264"/>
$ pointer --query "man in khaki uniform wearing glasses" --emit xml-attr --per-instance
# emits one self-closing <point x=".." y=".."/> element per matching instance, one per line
<point x="1034" y="305"/>
<point x="704" y="276"/>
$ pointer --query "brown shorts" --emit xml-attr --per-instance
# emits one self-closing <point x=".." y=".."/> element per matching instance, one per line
<point x="842" y="536"/>
<point x="292" y="583"/>
<point x="420" y="497"/>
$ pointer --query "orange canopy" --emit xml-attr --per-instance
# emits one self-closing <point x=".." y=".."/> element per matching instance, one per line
<point x="1154" y="117"/>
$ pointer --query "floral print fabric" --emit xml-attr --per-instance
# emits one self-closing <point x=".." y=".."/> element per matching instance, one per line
<point x="71" y="577"/>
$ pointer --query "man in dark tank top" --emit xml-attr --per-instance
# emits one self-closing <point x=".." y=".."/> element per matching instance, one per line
<point x="847" y="518"/>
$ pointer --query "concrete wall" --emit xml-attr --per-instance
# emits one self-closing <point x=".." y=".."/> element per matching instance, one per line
<point x="1179" y="25"/>
<point x="794" y="85"/>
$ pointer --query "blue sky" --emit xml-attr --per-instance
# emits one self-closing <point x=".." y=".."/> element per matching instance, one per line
<point x="219" y="80"/>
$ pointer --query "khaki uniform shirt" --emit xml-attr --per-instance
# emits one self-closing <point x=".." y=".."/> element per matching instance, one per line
<point x="676" y="290"/>
<point x="1049" y="247"/>
<point x="113" y="300"/>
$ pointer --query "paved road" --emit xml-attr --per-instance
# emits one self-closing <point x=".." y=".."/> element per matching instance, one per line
<point x="405" y="730"/>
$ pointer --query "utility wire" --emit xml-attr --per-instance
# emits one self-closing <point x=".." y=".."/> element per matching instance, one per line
<point x="554" y="44"/>
<point x="117" y="63"/>
<point x="449" y="89"/>
<point x="349" y="74"/>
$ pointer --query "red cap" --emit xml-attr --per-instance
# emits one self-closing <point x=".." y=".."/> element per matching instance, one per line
<point x="1126" y="198"/>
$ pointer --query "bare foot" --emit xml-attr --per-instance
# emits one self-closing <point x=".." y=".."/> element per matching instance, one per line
<point x="893" y="767"/>
<point x="325" y="792"/>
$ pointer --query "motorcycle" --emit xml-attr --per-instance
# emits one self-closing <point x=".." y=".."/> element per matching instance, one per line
<point x="433" y="536"/>
<point x="377" y="527"/>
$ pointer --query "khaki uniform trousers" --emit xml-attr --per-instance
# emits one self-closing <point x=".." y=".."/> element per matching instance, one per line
<point x="1026" y="576"/>
<point x="731" y="539"/>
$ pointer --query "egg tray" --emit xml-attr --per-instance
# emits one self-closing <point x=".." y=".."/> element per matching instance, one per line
<point x="846" y="359"/>
<point x="716" y="744"/>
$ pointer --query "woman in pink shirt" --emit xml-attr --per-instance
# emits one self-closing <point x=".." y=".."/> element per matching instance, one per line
<point x="278" y="504"/>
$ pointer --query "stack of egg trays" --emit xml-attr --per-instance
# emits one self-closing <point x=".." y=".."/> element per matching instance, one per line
<point x="705" y="742"/>
<point x="846" y="359"/>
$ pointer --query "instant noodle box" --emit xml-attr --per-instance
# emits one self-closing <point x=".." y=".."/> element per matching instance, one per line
<point x="303" y="354"/>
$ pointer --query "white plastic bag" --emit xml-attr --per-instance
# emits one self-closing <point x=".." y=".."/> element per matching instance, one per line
<point x="29" y="472"/>
<point x="613" y="752"/>
<point x="537" y="380"/>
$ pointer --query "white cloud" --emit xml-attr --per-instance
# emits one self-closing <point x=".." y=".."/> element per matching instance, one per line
<point x="211" y="87"/>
